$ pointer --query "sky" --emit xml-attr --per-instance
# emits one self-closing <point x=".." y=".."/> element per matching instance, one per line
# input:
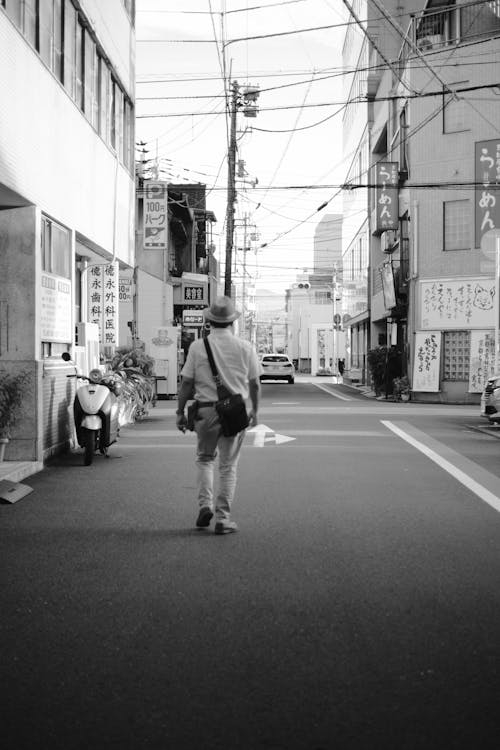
<point x="291" y="149"/>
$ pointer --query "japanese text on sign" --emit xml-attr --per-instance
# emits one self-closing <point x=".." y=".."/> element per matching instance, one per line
<point x="482" y="359"/>
<point x="55" y="309"/>
<point x="456" y="304"/>
<point x="155" y="216"/>
<point x="194" y="294"/>
<point x="427" y="359"/>
<point x="103" y="297"/>
<point x="386" y="180"/>
<point x="487" y="208"/>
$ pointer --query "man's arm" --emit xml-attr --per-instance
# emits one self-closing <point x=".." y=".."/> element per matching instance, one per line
<point x="254" y="393"/>
<point x="185" y="393"/>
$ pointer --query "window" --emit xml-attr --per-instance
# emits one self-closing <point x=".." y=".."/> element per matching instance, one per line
<point x="14" y="11"/>
<point x="30" y="22"/>
<point x="455" y="113"/>
<point x="456" y="225"/>
<point x="89" y="84"/>
<point x="56" y="248"/>
<point x="79" y="64"/>
<point x="70" y="26"/>
<point x="104" y="86"/>
<point x="456" y="355"/>
<point x="50" y="34"/>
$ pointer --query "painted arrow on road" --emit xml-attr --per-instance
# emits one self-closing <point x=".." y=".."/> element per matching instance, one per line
<point x="264" y="434"/>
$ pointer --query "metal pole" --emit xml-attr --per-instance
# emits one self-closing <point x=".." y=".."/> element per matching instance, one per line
<point x="231" y="190"/>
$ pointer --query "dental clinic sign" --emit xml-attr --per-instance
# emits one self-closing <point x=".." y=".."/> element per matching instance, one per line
<point x="487" y="178"/>
<point x="102" y="300"/>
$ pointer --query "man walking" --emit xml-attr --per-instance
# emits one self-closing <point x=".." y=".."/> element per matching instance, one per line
<point x="238" y="367"/>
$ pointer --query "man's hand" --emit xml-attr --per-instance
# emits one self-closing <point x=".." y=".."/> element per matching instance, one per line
<point x="252" y="418"/>
<point x="181" y="422"/>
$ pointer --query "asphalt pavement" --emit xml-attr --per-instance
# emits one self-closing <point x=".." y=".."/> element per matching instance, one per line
<point x="337" y="618"/>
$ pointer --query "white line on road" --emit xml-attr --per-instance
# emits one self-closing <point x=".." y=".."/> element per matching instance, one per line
<point x="474" y="486"/>
<point x="332" y="393"/>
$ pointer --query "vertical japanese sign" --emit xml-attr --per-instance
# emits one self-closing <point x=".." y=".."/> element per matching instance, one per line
<point x="482" y="359"/>
<point x="386" y="195"/>
<point x="427" y="361"/>
<point x="155" y="216"/>
<point x="103" y="296"/>
<point x="487" y="203"/>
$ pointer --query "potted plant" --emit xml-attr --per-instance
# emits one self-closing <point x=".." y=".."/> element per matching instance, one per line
<point x="377" y="363"/>
<point x="401" y="388"/>
<point x="12" y="390"/>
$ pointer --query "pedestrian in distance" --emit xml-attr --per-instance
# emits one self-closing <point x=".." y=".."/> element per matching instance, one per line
<point x="239" y="369"/>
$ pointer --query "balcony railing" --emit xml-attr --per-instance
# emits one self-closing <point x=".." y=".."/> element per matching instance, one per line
<point x="457" y="23"/>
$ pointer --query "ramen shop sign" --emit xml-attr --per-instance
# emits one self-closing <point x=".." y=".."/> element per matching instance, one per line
<point x="386" y="192"/>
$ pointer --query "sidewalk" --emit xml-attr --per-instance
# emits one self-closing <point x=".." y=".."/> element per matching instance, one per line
<point x="16" y="471"/>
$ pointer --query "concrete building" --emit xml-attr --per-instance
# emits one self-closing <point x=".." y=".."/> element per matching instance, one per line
<point x="327" y="248"/>
<point x="66" y="197"/>
<point x="433" y="289"/>
<point x="367" y="63"/>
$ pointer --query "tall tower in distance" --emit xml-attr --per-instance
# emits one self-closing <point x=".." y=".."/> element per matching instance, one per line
<point x="327" y="251"/>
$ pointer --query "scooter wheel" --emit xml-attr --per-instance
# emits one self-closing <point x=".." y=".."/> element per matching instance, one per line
<point x="88" y="447"/>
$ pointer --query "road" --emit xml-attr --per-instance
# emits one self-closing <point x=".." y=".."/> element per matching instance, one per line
<point x="358" y="606"/>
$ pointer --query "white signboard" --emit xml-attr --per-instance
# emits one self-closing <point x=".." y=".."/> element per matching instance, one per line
<point x="155" y="216"/>
<point x="482" y="359"/>
<point x="457" y="304"/>
<point x="55" y="309"/>
<point x="124" y="289"/>
<point x="427" y="361"/>
<point x="192" y="317"/>
<point x="102" y="295"/>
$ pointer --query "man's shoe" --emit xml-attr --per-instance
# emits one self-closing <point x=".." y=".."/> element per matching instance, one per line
<point x="225" y="527"/>
<point x="204" y="517"/>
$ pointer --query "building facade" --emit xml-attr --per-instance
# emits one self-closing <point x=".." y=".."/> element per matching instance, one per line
<point x="434" y="294"/>
<point x="66" y="196"/>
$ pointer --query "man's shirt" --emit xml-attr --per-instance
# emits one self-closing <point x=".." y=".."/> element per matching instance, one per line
<point x="236" y="362"/>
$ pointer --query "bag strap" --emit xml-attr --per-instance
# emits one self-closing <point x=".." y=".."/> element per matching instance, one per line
<point x="222" y="391"/>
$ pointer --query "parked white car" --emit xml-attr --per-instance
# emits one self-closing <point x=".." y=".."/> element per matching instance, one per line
<point x="277" y="367"/>
<point x="490" y="399"/>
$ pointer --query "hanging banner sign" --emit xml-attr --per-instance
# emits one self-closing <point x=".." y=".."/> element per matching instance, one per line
<point x="458" y="303"/>
<point x="427" y="361"/>
<point x="482" y="359"/>
<point x="388" y="289"/>
<point x="103" y="297"/>
<point x="386" y="195"/>
<point x="155" y="216"/>
<point x="487" y="194"/>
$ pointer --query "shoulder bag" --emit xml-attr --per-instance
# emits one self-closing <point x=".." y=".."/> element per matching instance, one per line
<point x="230" y="407"/>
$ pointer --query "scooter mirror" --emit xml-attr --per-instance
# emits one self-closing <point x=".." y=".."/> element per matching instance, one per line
<point x="66" y="356"/>
<point x="95" y="376"/>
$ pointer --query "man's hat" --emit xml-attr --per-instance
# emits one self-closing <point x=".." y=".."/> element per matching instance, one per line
<point x="222" y="310"/>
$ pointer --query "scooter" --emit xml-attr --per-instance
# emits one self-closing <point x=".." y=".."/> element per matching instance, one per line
<point x="95" y="411"/>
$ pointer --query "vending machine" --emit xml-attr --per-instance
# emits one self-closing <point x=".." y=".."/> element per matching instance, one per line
<point x="164" y="346"/>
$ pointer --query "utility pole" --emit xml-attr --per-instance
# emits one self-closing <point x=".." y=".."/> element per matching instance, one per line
<point x="231" y="189"/>
<point x="250" y="109"/>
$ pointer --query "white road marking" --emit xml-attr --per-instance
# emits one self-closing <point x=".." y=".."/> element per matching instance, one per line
<point x="263" y="434"/>
<point x="472" y="484"/>
<point x="332" y="393"/>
